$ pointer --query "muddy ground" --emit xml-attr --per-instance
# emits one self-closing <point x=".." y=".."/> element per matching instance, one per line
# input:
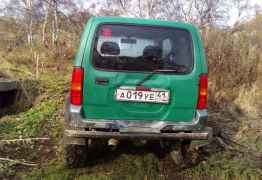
<point x="131" y="160"/>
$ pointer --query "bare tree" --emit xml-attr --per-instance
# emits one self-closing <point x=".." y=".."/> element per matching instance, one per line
<point x="51" y="13"/>
<point x="54" y="11"/>
<point x="28" y="4"/>
<point x="26" y="12"/>
<point x="46" y="11"/>
<point x="55" y="26"/>
<point x="199" y="12"/>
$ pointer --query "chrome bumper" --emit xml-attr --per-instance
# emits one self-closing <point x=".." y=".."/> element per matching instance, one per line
<point x="203" y="135"/>
<point x="75" y="120"/>
<point x="79" y="127"/>
<point x="122" y="129"/>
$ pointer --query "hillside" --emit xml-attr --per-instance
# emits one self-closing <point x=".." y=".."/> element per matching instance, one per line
<point x="235" y="71"/>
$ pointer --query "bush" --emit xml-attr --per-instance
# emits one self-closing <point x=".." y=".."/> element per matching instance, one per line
<point x="234" y="62"/>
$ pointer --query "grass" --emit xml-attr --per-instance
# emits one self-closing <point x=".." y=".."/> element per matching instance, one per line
<point x="40" y="119"/>
<point x="225" y="166"/>
<point x="34" y="120"/>
<point x="28" y="124"/>
<point x="43" y="113"/>
<point x="123" y="167"/>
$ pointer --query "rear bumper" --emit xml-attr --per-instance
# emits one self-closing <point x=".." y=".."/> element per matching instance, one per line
<point x="77" y="127"/>
<point x="203" y="135"/>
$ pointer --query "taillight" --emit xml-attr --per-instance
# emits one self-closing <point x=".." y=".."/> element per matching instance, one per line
<point x="202" y="95"/>
<point x="77" y="86"/>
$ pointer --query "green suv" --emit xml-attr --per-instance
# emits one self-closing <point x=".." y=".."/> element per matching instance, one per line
<point x="136" y="79"/>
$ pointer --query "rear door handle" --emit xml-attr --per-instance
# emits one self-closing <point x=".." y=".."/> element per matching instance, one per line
<point x="102" y="81"/>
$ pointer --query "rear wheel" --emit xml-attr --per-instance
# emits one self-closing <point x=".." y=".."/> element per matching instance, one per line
<point x="179" y="152"/>
<point x="75" y="155"/>
<point x="82" y="152"/>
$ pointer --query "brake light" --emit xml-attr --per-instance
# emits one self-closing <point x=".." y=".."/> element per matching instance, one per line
<point x="202" y="96"/>
<point x="76" y="86"/>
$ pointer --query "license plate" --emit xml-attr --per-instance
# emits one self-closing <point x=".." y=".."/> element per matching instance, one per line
<point x="149" y="96"/>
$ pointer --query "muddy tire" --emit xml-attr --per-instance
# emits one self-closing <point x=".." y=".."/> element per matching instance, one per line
<point x="179" y="152"/>
<point x="185" y="148"/>
<point x="176" y="154"/>
<point x="75" y="155"/>
<point x="177" y="157"/>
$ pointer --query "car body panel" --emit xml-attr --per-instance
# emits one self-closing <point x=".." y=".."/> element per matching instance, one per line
<point x="99" y="100"/>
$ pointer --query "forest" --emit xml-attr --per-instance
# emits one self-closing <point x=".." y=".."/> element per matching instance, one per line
<point x="38" y="42"/>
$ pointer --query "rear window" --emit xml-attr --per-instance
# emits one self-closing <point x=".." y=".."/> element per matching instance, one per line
<point x="142" y="48"/>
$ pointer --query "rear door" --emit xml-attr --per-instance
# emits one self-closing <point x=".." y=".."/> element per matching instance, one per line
<point x="141" y="73"/>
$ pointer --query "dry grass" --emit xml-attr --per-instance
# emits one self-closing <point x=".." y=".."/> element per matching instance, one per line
<point x="235" y="66"/>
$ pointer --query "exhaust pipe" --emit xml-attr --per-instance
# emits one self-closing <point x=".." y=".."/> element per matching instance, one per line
<point x="112" y="143"/>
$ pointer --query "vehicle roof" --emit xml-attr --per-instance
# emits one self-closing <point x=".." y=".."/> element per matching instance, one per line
<point x="141" y="21"/>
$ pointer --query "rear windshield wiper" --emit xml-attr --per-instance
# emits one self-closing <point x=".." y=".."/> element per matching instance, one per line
<point x="149" y="75"/>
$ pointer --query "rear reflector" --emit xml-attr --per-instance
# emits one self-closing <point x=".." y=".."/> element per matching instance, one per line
<point x="76" y="86"/>
<point x="202" y="95"/>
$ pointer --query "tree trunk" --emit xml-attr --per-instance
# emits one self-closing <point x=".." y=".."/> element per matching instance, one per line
<point x="29" y="20"/>
<point x="31" y="26"/>
<point x="44" y="28"/>
<point x="55" y="26"/>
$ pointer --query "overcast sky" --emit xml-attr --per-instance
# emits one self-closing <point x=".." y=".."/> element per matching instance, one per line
<point x="233" y="13"/>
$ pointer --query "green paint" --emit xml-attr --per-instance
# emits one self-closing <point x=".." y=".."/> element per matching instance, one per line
<point x="99" y="100"/>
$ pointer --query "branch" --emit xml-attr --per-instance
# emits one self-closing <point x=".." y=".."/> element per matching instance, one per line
<point x="29" y="99"/>
<point x="123" y="5"/>
<point x="23" y="140"/>
<point x="18" y="162"/>
<point x="61" y="13"/>
<point x="242" y="149"/>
